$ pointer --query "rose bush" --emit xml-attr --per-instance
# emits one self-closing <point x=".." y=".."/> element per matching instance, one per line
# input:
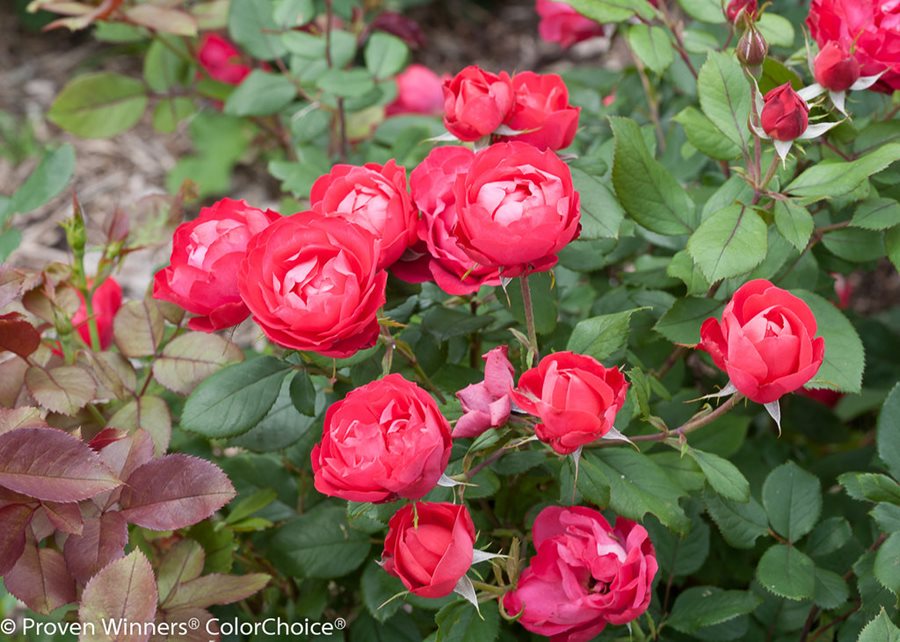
<point x="618" y="361"/>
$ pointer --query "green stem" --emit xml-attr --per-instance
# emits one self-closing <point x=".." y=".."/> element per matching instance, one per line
<point x="88" y="295"/>
<point x="529" y="319"/>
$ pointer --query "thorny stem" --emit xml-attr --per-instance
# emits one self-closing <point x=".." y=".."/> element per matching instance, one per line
<point x="529" y="317"/>
<point x="679" y="41"/>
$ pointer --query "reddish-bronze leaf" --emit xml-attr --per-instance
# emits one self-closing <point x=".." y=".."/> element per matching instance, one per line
<point x="24" y="417"/>
<point x="113" y="373"/>
<point x="216" y="589"/>
<point x="182" y="563"/>
<point x="191" y="358"/>
<point x="125" y="591"/>
<point x="17" y="335"/>
<point x="138" y="328"/>
<point x="65" y="517"/>
<point x="150" y="414"/>
<point x="14" y="519"/>
<point x="174" y="491"/>
<point x="40" y="579"/>
<point x="102" y="541"/>
<point x="127" y="455"/>
<point x="51" y="465"/>
<point x="65" y="389"/>
<point x="12" y="380"/>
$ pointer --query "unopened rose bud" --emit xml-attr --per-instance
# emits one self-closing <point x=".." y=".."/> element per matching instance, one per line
<point x="785" y="115"/>
<point x="835" y="68"/>
<point x="752" y="48"/>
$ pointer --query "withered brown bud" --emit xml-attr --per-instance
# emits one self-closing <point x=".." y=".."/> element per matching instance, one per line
<point x="752" y="48"/>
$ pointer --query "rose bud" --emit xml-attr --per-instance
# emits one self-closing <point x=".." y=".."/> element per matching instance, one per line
<point x="562" y="24"/>
<point x="440" y="257"/>
<point x="575" y="397"/>
<point x="396" y="24"/>
<point x="419" y="91"/>
<point x="834" y="68"/>
<point x="785" y="115"/>
<point x="476" y="102"/>
<point x="203" y="270"/>
<point x="541" y="110"/>
<point x="384" y="440"/>
<point x="586" y="574"/>
<point x="312" y="283"/>
<point x="737" y="8"/>
<point x="517" y="208"/>
<point x="222" y="59"/>
<point x="375" y="198"/>
<point x="764" y="342"/>
<point x="105" y="302"/>
<point x="430" y="547"/>
<point x="487" y="404"/>
<point x="752" y="48"/>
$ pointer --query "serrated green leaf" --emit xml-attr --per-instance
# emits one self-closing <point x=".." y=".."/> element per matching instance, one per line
<point x="877" y="214"/>
<point x="887" y="563"/>
<point x="704" y="10"/>
<point x="303" y="394"/>
<point x="845" y="357"/>
<point x="731" y="242"/>
<point x="646" y="189"/>
<point x="602" y="336"/>
<point x="723" y="476"/>
<point x="887" y="516"/>
<point x="831" y="590"/>
<point x="702" y="606"/>
<point x="385" y="55"/>
<point x="724" y="94"/>
<point x="741" y="524"/>
<point x="777" y="30"/>
<point x="824" y="180"/>
<point x="681" y="323"/>
<point x="855" y="244"/>
<point x="793" y="500"/>
<point x="46" y="181"/>
<point x="319" y="544"/>
<point x="460" y="622"/>
<point x="605" y="11"/>
<point x="794" y="222"/>
<point x="347" y="83"/>
<point x="251" y="24"/>
<point x="881" y="629"/>
<point x="592" y="482"/>
<point x="652" y="46"/>
<point x="872" y="487"/>
<point x="828" y="536"/>
<point x="888" y="434"/>
<point x="99" y="105"/>
<point x="377" y="587"/>
<point x="260" y="94"/>
<point x="705" y="136"/>
<point x="787" y="572"/>
<point x="601" y="214"/>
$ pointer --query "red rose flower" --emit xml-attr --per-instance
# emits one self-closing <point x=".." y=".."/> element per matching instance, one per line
<point x="735" y="7"/>
<point x="834" y="68"/>
<point x="516" y="207"/>
<point x="487" y="404"/>
<point x="203" y="270"/>
<point x="222" y="59"/>
<point x="785" y="115"/>
<point x="429" y="547"/>
<point x="586" y="574"/>
<point x="764" y="342"/>
<point x="440" y="257"/>
<point x="419" y="91"/>
<point x="375" y="198"/>
<point x="575" y="397"/>
<point x="106" y="301"/>
<point x="541" y="109"/>
<point x="384" y="440"/>
<point x="561" y="23"/>
<point x="312" y="283"/>
<point x="476" y="102"/>
<point x="870" y="29"/>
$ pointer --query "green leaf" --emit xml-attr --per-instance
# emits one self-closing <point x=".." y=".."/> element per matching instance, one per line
<point x="652" y="46"/>
<point x="605" y="11"/>
<point x="872" y="487"/>
<point x="793" y="500"/>
<point x="702" y="606"/>
<point x="704" y="10"/>
<point x="460" y="622"/>
<point x="824" y="180"/>
<point x="260" y="94"/>
<point x="164" y="68"/>
<point x="877" y="214"/>
<point x="347" y="83"/>
<point x="723" y="476"/>
<point x="592" y="482"/>
<point x="46" y="181"/>
<point x="887" y="563"/>
<point x="99" y="105"/>
<point x="704" y="135"/>
<point x="831" y="589"/>
<point x="235" y="399"/>
<point x="794" y="222"/>
<point x="385" y="55"/>
<point x="855" y="244"/>
<point x="290" y="13"/>
<point x="303" y="394"/>
<point x="787" y="572"/>
<point x="741" y="524"/>
<point x="725" y="96"/>
<point x="639" y="486"/>
<point x="887" y="516"/>
<point x="602" y="336"/>
<point x="881" y="629"/>
<point x="171" y="111"/>
<point x="776" y="29"/>
<point x="377" y="587"/>
<point x="829" y="536"/>
<point x="892" y="246"/>
<point x="888" y="434"/>
<point x="251" y="24"/>
<point x="646" y="189"/>
<point x="281" y="427"/>
<point x="9" y="241"/>
<point x="601" y="214"/>
<point x="731" y="242"/>
<point x="681" y="323"/>
<point x="845" y="357"/>
<point x="319" y="544"/>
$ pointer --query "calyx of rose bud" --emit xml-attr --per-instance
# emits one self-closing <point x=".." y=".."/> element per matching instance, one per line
<point x="752" y="48"/>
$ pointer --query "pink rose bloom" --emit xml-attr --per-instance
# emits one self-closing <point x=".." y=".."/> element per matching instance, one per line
<point x="487" y="404"/>
<point x="375" y="198"/>
<point x="438" y="255"/>
<point x="222" y="59"/>
<point x="206" y="254"/>
<point x="419" y="91"/>
<point x="542" y="111"/>
<point x="586" y="574"/>
<point x="561" y="23"/>
<point x="384" y="440"/>
<point x="476" y="102"/>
